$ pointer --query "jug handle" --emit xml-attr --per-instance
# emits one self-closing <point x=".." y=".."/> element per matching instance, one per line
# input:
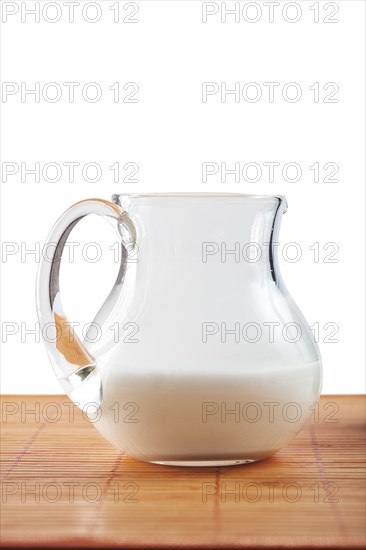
<point x="70" y="359"/>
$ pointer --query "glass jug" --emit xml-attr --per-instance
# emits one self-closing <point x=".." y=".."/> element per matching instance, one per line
<point x="220" y="366"/>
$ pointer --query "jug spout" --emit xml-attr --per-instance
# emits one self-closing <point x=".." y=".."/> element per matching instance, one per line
<point x="280" y="209"/>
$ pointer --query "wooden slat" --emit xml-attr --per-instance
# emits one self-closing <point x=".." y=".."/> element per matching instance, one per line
<point x="310" y="494"/>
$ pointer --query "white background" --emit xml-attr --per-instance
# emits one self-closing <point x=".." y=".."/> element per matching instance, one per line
<point x="169" y="133"/>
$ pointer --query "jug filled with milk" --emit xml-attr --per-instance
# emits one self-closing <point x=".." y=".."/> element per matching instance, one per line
<point x="219" y="366"/>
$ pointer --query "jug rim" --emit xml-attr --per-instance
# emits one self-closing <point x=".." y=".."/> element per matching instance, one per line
<point x="193" y="194"/>
<point x="117" y="198"/>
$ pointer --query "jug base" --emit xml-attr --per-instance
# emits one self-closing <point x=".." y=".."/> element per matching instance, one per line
<point x="203" y="463"/>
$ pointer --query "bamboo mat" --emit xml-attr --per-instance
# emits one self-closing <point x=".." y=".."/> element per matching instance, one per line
<point x="63" y="485"/>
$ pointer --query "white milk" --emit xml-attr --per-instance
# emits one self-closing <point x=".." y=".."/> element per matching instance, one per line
<point x="218" y="415"/>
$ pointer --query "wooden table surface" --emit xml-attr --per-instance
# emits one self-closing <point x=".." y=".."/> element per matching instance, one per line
<point x="63" y="485"/>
